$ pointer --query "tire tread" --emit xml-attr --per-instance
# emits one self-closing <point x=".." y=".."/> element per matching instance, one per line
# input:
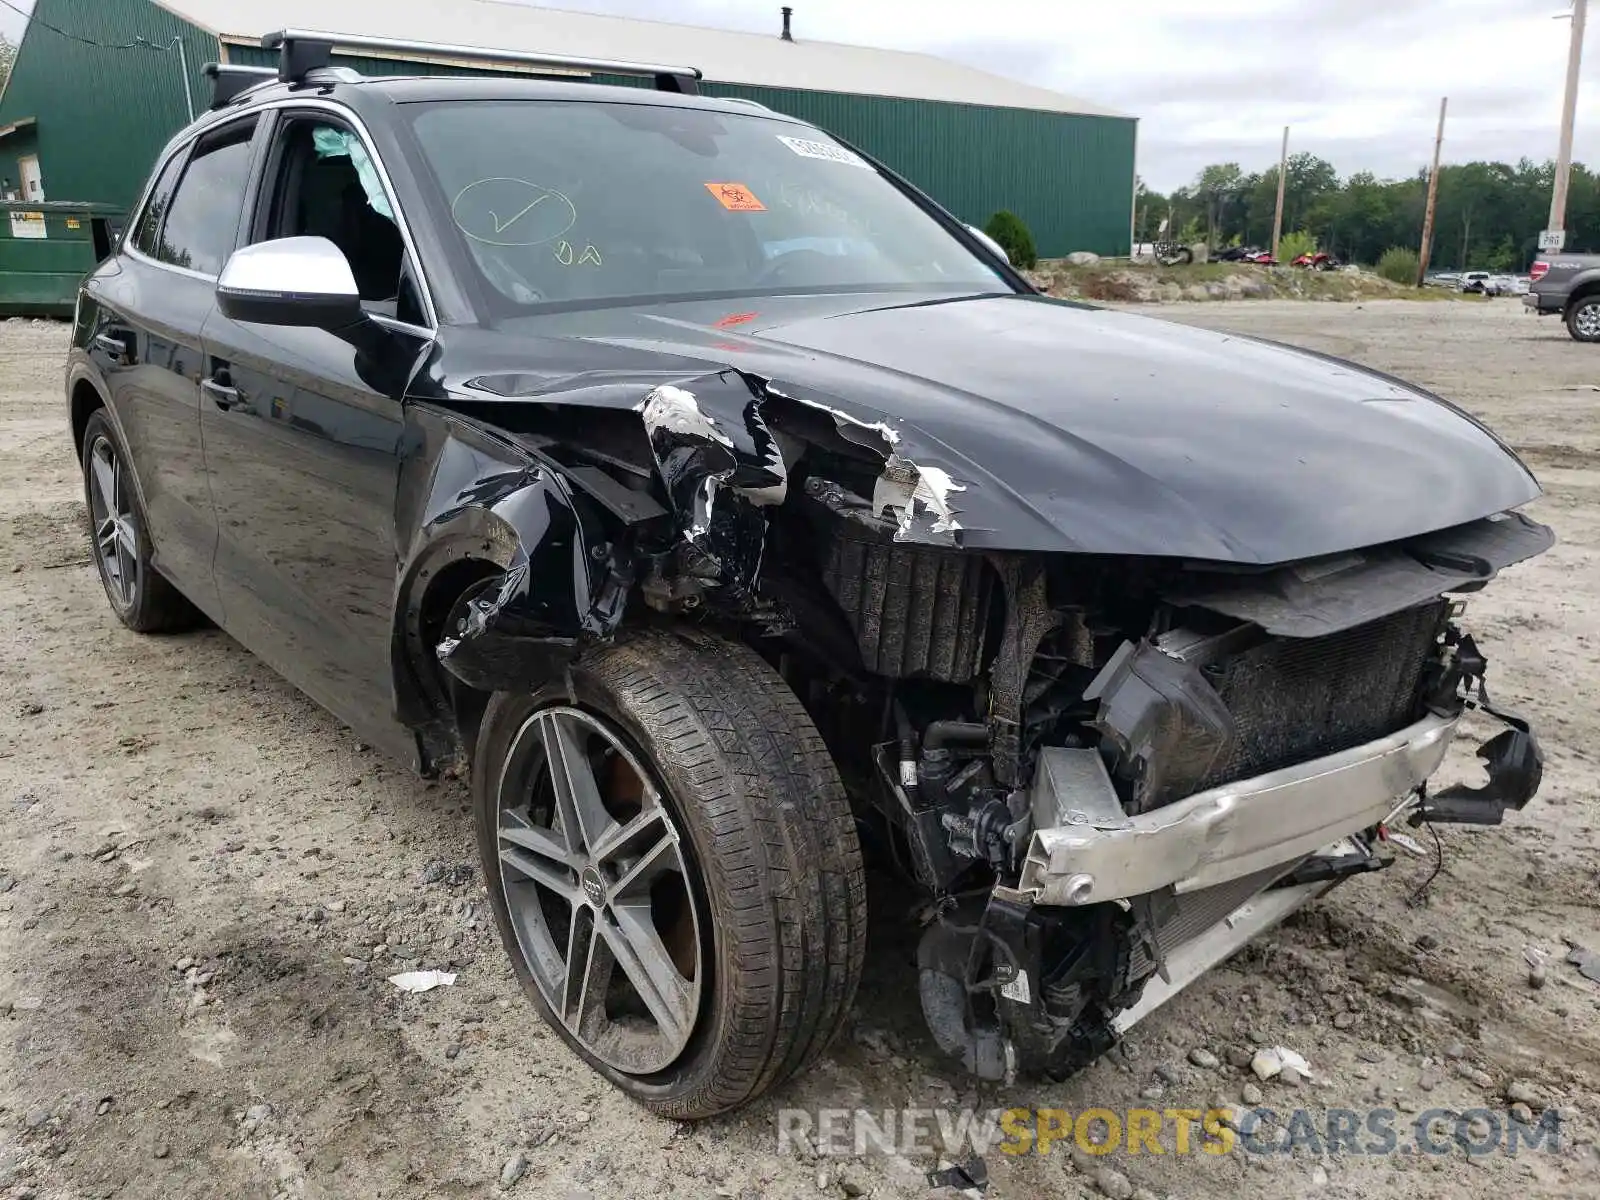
<point x="777" y="848"/>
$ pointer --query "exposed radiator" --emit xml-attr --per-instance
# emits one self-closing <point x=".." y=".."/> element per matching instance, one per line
<point x="915" y="610"/>
<point x="1296" y="699"/>
<point x="1198" y="912"/>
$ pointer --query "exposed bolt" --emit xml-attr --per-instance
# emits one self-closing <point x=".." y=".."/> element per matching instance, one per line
<point x="815" y="485"/>
<point x="1079" y="889"/>
<point x="599" y="552"/>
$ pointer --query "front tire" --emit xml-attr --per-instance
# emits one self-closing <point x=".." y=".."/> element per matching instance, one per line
<point x="1583" y="320"/>
<point x="694" y="925"/>
<point x="143" y="599"/>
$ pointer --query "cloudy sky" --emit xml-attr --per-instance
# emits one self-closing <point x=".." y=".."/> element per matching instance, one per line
<point x="1358" y="81"/>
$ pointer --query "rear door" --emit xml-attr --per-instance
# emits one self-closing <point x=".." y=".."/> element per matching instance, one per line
<point x="303" y="435"/>
<point x="148" y="343"/>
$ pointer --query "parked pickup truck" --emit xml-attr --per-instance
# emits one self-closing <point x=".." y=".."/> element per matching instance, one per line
<point x="1568" y="284"/>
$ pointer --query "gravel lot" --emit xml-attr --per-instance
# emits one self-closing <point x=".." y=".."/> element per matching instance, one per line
<point x="204" y="880"/>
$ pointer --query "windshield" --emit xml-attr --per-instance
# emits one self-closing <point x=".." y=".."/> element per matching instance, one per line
<point x="562" y="202"/>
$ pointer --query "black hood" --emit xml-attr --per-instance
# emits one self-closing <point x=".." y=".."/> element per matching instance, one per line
<point x="1069" y="428"/>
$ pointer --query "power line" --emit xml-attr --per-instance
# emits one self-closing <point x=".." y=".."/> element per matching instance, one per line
<point x="136" y="44"/>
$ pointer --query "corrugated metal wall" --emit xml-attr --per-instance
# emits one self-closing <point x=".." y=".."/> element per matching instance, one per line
<point x="1069" y="177"/>
<point x="103" y="112"/>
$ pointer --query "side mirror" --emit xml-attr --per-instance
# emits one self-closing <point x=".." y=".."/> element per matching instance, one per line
<point x="993" y="246"/>
<point x="298" y="281"/>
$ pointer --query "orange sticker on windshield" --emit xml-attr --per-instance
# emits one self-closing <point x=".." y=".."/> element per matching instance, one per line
<point x="735" y="196"/>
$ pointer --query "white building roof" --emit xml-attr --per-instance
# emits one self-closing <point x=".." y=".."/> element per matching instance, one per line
<point x="725" y="56"/>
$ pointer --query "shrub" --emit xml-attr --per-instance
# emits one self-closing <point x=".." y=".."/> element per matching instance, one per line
<point x="1007" y="228"/>
<point x="1292" y="245"/>
<point x="1398" y="265"/>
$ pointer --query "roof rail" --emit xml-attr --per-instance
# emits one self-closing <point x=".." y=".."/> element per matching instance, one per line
<point x="229" y="80"/>
<point x="301" y="51"/>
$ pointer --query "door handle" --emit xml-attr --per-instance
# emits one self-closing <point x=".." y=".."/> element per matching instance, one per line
<point x="112" y="346"/>
<point x="223" y="394"/>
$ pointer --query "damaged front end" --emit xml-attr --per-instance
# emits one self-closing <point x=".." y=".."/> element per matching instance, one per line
<point x="1104" y="773"/>
<point x="1187" y="789"/>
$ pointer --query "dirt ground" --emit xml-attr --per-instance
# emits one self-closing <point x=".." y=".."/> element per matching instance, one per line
<point x="204" y="881"/>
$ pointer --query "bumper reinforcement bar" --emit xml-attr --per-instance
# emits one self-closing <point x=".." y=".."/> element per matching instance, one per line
<point x="1086" y="850"/>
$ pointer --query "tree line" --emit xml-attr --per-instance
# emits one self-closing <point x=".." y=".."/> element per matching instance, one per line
<point x="1488" y="216"/>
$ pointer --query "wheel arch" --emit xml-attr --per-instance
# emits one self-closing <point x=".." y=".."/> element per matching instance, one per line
<point x="86" y="395"/>
<point x="502" y="583"/>
<point x="1586" y="289"/>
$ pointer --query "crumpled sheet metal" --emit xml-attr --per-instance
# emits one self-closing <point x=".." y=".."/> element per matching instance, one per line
<point x="699" y="453"/>
<point x="722" y="466"/>
<point x="916" y="495"/>
<point x="919" y="498"/>
<point x="721" y="463"/>
<point x="710" y="436"/>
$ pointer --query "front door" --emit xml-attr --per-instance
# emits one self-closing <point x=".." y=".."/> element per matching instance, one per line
<point x="303" y="436"/>
<point x="32" y="180"/>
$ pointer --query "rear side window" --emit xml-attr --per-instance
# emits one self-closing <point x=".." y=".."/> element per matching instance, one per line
<point x="202" y="220"/>
<point x="145" y="236"/>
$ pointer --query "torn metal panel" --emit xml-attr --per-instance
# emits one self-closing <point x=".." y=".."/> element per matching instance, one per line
<point x="469" y="497"/>
<point x="878" y="436"/>
<point x="720" y="465"/>
<point x="491" y="642"/>
<point x="675" y="411"/>
<point x="919" y="498"/>
<point x="913" y="494"/>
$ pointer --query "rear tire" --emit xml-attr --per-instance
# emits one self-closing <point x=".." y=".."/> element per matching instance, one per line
<point x="143" y="599"/>
<point x="1583" y="320"/>
<point x="759" y="829"/>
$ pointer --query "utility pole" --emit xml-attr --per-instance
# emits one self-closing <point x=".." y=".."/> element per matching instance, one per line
<point x="1433" y="196"/>
<point x="1283" y="175"/>
<point x="1558" y="197"/>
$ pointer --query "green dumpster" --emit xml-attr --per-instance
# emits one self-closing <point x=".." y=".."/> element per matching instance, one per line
<point x="46" y="248"/>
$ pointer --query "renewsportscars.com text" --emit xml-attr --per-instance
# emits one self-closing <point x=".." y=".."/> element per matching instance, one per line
<point x="843" y="1132"/>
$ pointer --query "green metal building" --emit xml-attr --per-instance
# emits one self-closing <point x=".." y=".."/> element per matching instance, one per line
<point x="100" y="85"/>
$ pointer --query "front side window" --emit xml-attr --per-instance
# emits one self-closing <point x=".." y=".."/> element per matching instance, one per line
<point x="327" y="185"/>
<point x="562" y="202"/>
<point x="203" y="218"/>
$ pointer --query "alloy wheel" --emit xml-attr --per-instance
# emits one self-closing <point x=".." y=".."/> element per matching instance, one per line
<point x="116" y="538"/>
<point x="1587" y="320"/>
<point x="599" y="892"/>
